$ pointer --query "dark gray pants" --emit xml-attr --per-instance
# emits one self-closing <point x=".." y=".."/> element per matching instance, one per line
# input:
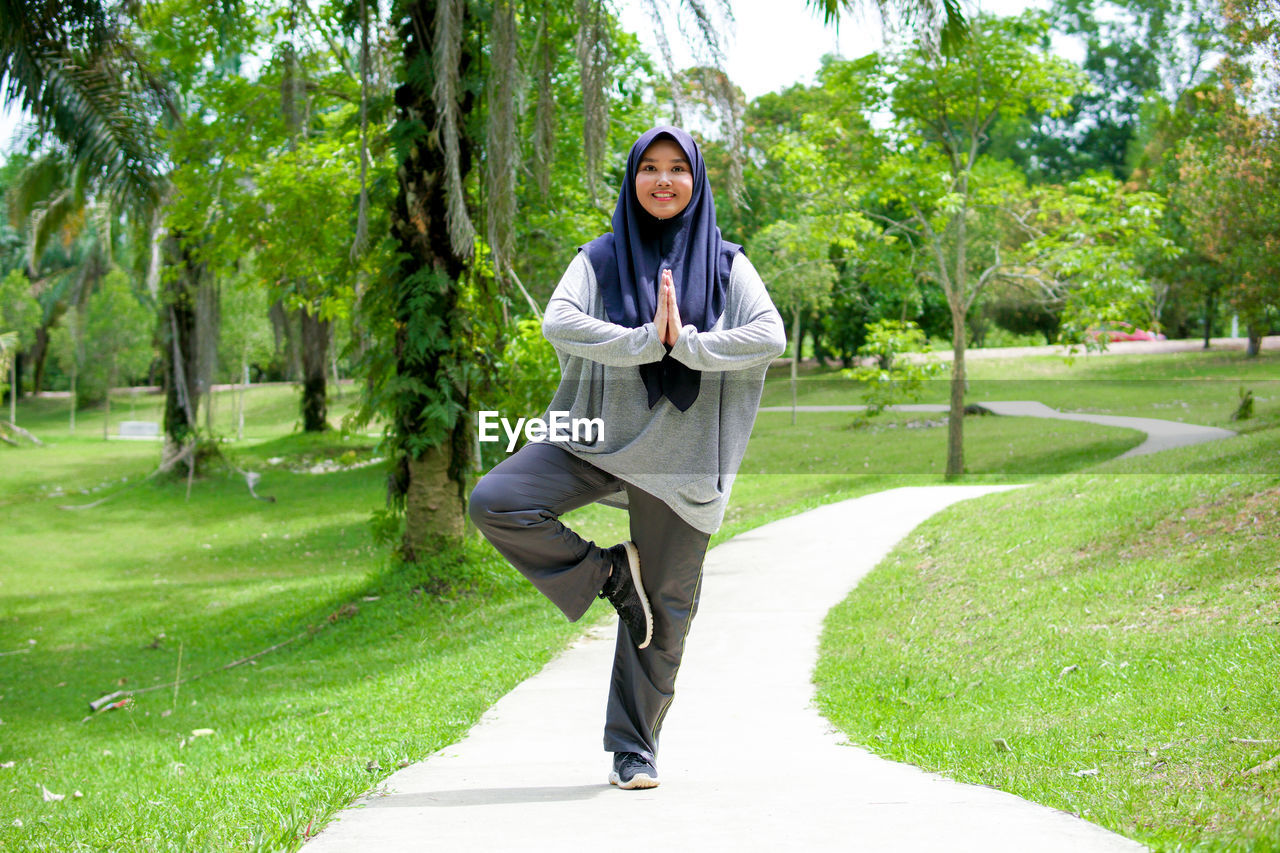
<point x="518" y="505"/>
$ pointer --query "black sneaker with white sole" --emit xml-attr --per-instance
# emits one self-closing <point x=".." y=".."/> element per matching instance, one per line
<point x="625" y="591"/>
<point x="633" y="770"/>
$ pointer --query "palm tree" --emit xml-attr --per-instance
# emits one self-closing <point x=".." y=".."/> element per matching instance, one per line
<point x="68" y="66"/>
<point x="68" y="242"/>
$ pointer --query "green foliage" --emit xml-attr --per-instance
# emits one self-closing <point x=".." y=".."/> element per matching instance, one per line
<point x="793" y="258"/>
<point x="524" y="379"/>
<point x="19" y="311"/>
<point x="66" y="342"/>
<point x="246" y="335"/>
<point x="556" y="213"/>
<point x="8" y="347"/>
<point x="891" y="379"/>
<point x="1138" y="53"/>
<point x="1086" y="247"/>
<point x="1244" y="411"/>
<point x="309" y="267"/>
<point x="951" y="101"/>
<point x="70" y="66"/>
<point x="117" y="330"/>
<point x="1232" y="176"/>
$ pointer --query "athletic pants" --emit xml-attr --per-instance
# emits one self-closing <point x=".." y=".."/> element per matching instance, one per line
<point x="517" y="506"/>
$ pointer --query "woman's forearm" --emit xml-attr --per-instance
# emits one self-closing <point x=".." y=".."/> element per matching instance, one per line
<point x="756" y="343"/>
<point x="575" y="332"/>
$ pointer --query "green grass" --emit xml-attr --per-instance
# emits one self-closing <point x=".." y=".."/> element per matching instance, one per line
<point x="268" y="410"/>
<point x="1194" y="387"/>
<point x="833" y="456"/>
<point x="149" y="585"/>
<point x="1161" y="590"/>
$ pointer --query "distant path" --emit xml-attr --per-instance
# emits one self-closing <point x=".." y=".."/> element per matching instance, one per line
<point x="1161" y="434"/>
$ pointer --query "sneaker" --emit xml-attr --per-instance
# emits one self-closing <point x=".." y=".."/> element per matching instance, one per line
<point x="633" y="770"/>
<point x="625" y="592"/>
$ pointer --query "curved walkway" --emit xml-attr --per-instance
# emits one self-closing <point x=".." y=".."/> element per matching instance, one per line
<point x="1161" y="435"/>
<point x="747" y="763"/>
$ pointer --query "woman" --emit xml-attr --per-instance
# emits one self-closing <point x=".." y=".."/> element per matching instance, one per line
<point x="664" y="331"/>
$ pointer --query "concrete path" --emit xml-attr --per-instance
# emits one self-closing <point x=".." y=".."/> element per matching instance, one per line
<point x="746" y="762"/>
<point x="1161" y="435"/>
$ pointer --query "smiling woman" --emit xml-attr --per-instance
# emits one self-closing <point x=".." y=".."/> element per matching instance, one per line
<point x="663" y="331"/>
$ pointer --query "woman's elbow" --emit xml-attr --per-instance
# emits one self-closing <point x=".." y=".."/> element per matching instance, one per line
<point x="778" y="339"/>
<point x="552" y="325"/>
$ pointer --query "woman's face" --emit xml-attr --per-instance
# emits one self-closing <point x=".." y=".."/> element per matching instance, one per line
<point x="664" y="183"/>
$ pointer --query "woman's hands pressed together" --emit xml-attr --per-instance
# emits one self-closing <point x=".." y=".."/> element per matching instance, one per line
<point x="667" y="317"/>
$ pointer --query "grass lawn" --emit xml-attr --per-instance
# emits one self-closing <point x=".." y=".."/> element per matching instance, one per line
<point x="1118" y="630"/>
<point x="381" y="665"/>
<point x="1195" y="387"/>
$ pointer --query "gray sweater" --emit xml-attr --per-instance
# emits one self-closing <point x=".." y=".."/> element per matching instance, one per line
<point x="687" y="459"/>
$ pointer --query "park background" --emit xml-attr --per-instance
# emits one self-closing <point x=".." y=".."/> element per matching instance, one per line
<point x="308" y="241"/>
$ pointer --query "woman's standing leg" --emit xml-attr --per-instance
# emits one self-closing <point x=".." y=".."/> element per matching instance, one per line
<point x="671" y="555"/>
<point x="517" y="506"/>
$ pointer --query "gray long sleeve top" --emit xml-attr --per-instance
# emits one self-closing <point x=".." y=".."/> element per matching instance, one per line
<point x="687" y="459"/>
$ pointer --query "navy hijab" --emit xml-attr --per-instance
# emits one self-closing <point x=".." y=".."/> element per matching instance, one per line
<point x="628" y="265"/>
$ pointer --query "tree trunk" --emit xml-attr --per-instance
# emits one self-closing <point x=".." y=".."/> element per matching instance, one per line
<point x="39" y="357"/>
<point x="178" y="350"/>
<point x="333" y="361"/>
<point x="1209" y="302"/>
<point x="432" y="502"/>
<point x="795" y="361"/>
<point x="315" y="346"/>
<point x="288" y="353"/>
<point x="1255" y="340"/>
<point x="955" y="421"/>
<point x="244" y="386"/>
<point x="73" y="389"/>
<point x="106" y="415"/>
<point x="426" y="290"/>
<point x="19" y="364"/>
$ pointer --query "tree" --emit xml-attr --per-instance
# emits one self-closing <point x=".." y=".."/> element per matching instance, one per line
<point x="1137" y="53"/>
<point x="19" y="317"/>
<point x="439" y="298"/>
<point x="71" y="67"/>
<point x="117" y="330"/>
<point x="1193" y="281"/>
<point x="890" y="380"/>
<point x="311" y="270"/>
<point x="794" y="257"/>
<point x="821" y="144"/>
<point x="1234" y="175"/>
<point x="1084" y="248"/>
<point x="67" y="240"/>
<point x="66" y="342"/>
<point x="246" y="335"/>
<point x="944" y="106"/>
